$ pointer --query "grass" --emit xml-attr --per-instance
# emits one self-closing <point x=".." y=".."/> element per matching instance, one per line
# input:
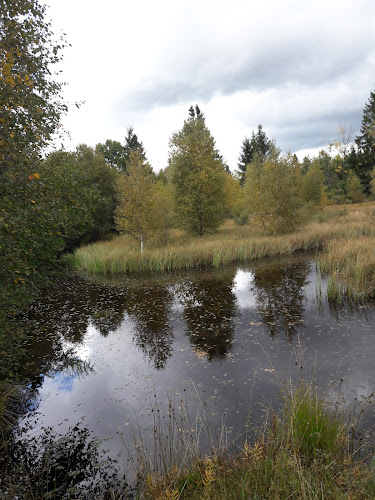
<point x="305" y="453"/>
<point x="346" y="234"/>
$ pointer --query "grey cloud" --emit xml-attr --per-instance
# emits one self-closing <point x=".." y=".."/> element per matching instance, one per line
<point x="258" y="71"/>
<point x="309" y="134"/>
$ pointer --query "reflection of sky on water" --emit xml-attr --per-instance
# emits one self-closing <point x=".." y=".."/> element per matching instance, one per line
<point x="241" y="288"/>
<point x="229" y="337"/>
<point x="63" y="382"/>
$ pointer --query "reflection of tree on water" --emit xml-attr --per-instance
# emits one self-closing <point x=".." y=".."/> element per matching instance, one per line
<point x="280" y="297"/>
<point x="57" y="466"/>
<point x="149" y="308"/>
<point x="209" y="309"/>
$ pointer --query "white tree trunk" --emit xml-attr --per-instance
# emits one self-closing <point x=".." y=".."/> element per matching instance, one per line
<point x="141" y="243"/>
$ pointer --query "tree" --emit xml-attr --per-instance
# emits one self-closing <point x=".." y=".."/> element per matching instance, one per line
<point x="30" y="103"/>
<point x="354" y="188"/>
<point x="132" y="144"/>
<point x="102" y="177"/>
<point x="373" y="181"/>
<point x="30" y="111"/>
<point x="312" y="184"/>
<point x="260" y="144"/>
<point x="114" y="153"/>
<point x="137" y="211"/>
<point x="271" y="191"/>
<point x="198" y="177"/>
<point x="117" y="155"/>
<point x="366" y="144"/>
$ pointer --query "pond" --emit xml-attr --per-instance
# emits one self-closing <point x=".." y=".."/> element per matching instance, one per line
<point x="107" y="351"/>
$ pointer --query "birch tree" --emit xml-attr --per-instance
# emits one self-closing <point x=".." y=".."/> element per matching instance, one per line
<point x="271" y="193"/>
<point x="137" y="212"/>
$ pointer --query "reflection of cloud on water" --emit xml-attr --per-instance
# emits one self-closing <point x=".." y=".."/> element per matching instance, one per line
<point x="242" y="283"/>
<point x="85" y="350"/>
<point x="63" y="382"/>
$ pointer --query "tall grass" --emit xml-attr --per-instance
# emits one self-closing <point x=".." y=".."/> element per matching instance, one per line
<point x="230" y="244"/>
<point x="351" y="267"/>
<point x="303" y="453"/>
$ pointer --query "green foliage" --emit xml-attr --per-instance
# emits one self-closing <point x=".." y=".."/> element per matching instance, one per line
<point x="373" y="181"/>
<point x="366" y="144"/>
<point x="312" y="184"/>
<point x="258" y="144"/>
<point x="114" y="153"/>
<point x="138" y="211"/>
<point x="30" y="104"/>
<point x="117" y="155"/>
<point x="354" y="188"/>
<point x="102" y="178"/>
<point x="271" y="193"/>
<point x="198" y="177"/>
<point x="30" y="111"/>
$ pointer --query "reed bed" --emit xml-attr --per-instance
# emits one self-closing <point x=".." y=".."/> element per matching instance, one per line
<point x="335" y="230"/>
<point x="351" y="268"/>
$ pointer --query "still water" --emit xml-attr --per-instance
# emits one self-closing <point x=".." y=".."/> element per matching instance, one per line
<point x="105" y="349"/>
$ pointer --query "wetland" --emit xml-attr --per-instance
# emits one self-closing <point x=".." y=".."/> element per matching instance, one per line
<point x="107" y="352"/>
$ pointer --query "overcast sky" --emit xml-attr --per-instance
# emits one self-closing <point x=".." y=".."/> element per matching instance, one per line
<point x="299" y="68"/>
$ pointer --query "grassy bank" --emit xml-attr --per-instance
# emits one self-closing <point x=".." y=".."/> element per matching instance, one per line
<point x="306" y="452"/>
<point x="342" y="232"/>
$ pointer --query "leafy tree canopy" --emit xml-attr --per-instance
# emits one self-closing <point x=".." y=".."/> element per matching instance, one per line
<point x="198" y="176"/>
<point x="30" y="103"/>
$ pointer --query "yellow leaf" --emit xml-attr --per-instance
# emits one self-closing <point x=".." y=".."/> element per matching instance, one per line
<point x="32" y="201"/>
<point x="36" y="175"/>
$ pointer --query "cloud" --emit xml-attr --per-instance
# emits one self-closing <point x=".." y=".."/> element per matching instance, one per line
<point x="300" y="69"/>
<point x="254" y="52"/>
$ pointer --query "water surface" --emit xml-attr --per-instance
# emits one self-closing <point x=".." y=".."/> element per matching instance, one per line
<point x="105" y="350"/>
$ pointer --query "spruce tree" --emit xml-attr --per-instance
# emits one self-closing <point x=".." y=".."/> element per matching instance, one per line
<point x="366" y="144"/>
<point x="260" y="144"/>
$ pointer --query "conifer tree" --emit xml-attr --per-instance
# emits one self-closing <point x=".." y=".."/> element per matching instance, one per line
<point x="366" y="144"/>
<point x="258" y="144"/>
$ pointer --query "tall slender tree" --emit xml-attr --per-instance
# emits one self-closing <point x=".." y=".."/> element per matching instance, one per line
<point x="198" y="176"/>
<point x="366" y="144"/>
<point x="137" y="210"/>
